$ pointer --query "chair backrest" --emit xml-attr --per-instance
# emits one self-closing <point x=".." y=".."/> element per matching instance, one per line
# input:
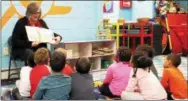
<point x="10" y="45"/>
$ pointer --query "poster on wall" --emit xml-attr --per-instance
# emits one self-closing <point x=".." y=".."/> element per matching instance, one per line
<point x="125" y="3"/>
<point x="107" y="6"/>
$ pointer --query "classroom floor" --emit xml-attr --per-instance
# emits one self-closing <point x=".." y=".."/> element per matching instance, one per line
<point x="158" y="62"/>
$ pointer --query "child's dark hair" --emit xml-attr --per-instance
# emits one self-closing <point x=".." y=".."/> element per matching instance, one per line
<point x="83" y="65"/>
<point x="141" y="60"/>
<point x="124" y="54"/>
<point x="30" y="60"/>
<point x="57" y="61"/>
<point x="146" y="48"/>
<point x="176" y="59"/>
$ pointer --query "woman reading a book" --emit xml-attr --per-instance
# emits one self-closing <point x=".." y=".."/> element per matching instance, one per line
<point x="20" y="42"/>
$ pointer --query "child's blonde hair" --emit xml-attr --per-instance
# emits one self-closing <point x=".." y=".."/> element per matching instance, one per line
<point x="62" y="50"/>
<point x="42" y="56"/>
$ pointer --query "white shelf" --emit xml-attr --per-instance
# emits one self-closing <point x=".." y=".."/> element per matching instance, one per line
<point x="93" y="56"/>
<point x="84" y="49"/>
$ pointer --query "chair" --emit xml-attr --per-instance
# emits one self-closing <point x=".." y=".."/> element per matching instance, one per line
<point x="12" y="59"/>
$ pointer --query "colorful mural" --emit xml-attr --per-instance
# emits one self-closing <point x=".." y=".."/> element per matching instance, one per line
<point x="12" y="10"/>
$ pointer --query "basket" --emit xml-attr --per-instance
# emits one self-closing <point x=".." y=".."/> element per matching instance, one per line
<point x="143" y="20"/>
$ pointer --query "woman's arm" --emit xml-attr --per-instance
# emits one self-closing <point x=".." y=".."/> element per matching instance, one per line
<point x="18" y="33"/>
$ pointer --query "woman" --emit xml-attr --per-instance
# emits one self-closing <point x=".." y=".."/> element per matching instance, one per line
<point x="21" y="46"/>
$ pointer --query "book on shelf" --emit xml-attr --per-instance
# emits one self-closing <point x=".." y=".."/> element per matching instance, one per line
<point x="41" y="35"/>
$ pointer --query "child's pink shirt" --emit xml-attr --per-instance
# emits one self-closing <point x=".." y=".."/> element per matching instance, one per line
<point x="117" y="77"/>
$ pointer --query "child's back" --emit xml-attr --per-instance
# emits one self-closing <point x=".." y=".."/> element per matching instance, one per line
<point x="23" y="84"/>
<point x="143" y="84"/>
<point x="117" y="77"/>
<point x="82" y="87"/>
<point x="41" y="69"/>
<point x="173" y="80"/>
<point x="177" y="84"/>
<point x="149" y="85"/>
<point x="36" y="75"/>
<point x="82" y="81"/>
<point x="54" y="87"/>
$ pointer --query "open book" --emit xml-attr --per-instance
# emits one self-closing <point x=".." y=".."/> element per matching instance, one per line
<point x="41" y="35"/>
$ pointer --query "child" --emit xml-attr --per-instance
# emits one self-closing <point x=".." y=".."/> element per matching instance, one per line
<point x="173" y="80"/>
<point x="55" y="86"/>
<point x="143" y="84"/>
<point x="68" y="70"/>
<point x="23" y="85"/>
<point x="41" y="69"/>
<point x="82" y="81"/>
<point x="150" y="52"/>
<point x="117" y="74"/>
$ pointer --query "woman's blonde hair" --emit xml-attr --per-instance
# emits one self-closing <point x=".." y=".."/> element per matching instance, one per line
<point x="42" y="56"/>
<point x="32" y="8"/>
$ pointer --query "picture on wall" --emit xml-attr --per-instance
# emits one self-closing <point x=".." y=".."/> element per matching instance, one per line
<point x="125" y="4"/>
<point x="107" y="6"/>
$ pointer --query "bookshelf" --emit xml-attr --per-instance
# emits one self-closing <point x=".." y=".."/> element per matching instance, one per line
<point x="100" y="52"/>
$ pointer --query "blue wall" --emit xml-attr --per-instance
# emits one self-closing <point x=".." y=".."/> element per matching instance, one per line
<point x="138" y="9"/>
<point x="79" y="24"/>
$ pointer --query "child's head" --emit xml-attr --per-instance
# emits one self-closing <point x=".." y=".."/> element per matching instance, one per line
<point x="123" y="54"/>
<point x="146" y="48"/>
<point x="172" y="60"/>
<point x="62" y="50"/>
<point x="83" y="65"/>
<point x="30" y="60"/>
<point x="57" y="61"/>
<point x="42" y="56"/>
<point x="140" y="60"/>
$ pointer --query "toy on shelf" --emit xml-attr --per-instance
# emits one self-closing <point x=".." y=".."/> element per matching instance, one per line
<point x="103" y="29"/>
<point x="172" y="8"/>
<point x="109" y="30"/>
<point x="102" y="51"/>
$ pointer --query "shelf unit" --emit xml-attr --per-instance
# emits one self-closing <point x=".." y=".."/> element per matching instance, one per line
<point x="79" y="49"/>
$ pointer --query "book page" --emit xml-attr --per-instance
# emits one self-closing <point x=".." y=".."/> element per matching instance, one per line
<point x="40" y="35"/>
<point x="32" y="33"/>
<point x="45" y="35"/>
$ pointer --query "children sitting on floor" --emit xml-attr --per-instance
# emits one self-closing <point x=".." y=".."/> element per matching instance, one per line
<point x="68" y="70"/>
<point x="151" y="52"/>
<point x="117" y="76"/>
<point x="23" y="85"/>
<point x="82" y="81"/>
<point x="143" y="84"/>
<point x="173" y="80"/>
<point x="41" y="58"/>
<point x="55" y="86"/>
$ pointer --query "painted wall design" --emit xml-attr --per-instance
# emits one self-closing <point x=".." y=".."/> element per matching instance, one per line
<point x="74" y="20"/>
<point x="13" y="9"/>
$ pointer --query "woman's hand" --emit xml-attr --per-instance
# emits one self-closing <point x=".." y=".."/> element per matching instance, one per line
<point x="34" y="44"/>
<point x="56" y="40"/>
